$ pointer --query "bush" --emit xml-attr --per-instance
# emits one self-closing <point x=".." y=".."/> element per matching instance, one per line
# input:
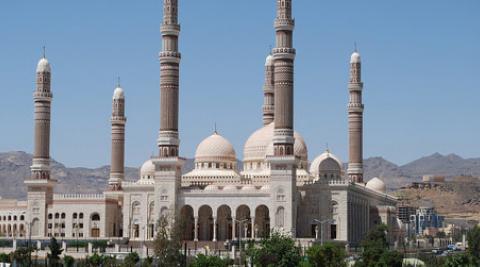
<point x="327" y="255"/>
<point x="210" y="261"/>
<point x="131" y="260"/>
<point x="68" y="261"/>
<point x="277" y="250"/>
<point x="4" y="258"/>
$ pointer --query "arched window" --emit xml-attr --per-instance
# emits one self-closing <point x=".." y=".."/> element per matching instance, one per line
<point x="81" y="215"/>
<point x="95" y="217"/>
<point x="63" y="216"/>
<point x="280" y="195"/>
<point x="22" y="217"/>
<point x="50" y="216"/>
<point x="57" y="215"/>
<point x="75" y="215"/>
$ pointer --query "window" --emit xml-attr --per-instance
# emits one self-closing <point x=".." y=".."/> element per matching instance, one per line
<point x="15" y="217"/>
<point x="50" y="216"/>
<point x="81" y="226"/>
<point x="22" y="217"/>
<point x="63" y="216"/>
<point x="75" y="215"/>
<point x="57" y="215"/>
<point x="81" y="216"/>
<point x="49" y="226"/>
<point x="280" y="195"/>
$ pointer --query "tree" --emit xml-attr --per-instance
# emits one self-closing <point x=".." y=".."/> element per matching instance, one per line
<point x="4" y="258"/>
<point x="210" y="261"/>
<point x="131" y="259"/>
<point x="277" y="250"/>
<point x="463" y="260"/>
<point x="327" y="255"/>
<point x="473" y="238"/>
<point x="55" y="252"/>
<point x="20" y="256"/>
<point x="68" y="261"/>
<point x="168" y="242"/>
<point x="375" y="250"/>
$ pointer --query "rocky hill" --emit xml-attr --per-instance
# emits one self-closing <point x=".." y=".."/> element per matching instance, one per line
<point x="15" y="166"/>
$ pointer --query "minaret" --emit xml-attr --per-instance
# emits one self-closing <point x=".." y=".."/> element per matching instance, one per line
<point x="283" y="164"/>
<point x="118" y="120"/>
<point x="355" y="120"/>
<point x="168" y="140"/>
<point x="284" y="55"/>
<point x="40" y="185"/>
<point x="42" y="98"/>
<point x="168" y="166"/>
<point x="268" y="92"/>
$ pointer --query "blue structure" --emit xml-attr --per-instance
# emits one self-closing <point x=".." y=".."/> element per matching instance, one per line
<point x="425" y="217"/>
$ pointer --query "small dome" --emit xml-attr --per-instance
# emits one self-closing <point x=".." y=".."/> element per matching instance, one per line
<point x="215" y="148"/>
<point x="377" y="185"/>
<point x="147" y="171"/>
<point x="269" y="61"/>
<point x="118" y="93"/>
<point x="43" y="65"/>
<point x="326" y="162"/>
<point x="355" y="58"/>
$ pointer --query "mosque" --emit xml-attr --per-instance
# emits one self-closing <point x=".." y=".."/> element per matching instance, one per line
<point x="277" y="189"/>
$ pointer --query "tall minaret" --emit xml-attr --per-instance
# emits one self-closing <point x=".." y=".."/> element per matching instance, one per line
<point x="40" y="185"/>
<point x="283" y="164"/>
<point x="118" y="120"/>
<point x="284" y="55"/>
<point x="168" y="140"/>
<point x="268" y="92"/>
<point x="355" y="120"/>
<point x="168" y="166"/>
<point x="42" y="98"/>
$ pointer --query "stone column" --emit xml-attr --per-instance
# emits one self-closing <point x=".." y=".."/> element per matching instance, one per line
<point x="118" y="120"/>
<point x="168" y="141"/>
<point x="233" y="228"/>
<point x="253" y="228"/>
<point x="355" y="121"/>
<point x="196" y="229"/>
<point x="214" y="229"/>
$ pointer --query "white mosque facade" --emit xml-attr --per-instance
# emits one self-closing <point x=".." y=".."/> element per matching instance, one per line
<point x="277" y="189"/>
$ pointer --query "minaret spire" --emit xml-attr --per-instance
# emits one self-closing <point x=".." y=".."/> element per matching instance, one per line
<point x="284" y="56"/>
<point x="355" y="120"/>
<point x="268" y="91"/>
<point x="168" y="140"/>
<point x="118" y="120"/>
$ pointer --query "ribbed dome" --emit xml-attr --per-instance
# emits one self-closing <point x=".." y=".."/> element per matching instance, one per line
<point x="269" y="61"/>
<point x="215" y="148"/>
<point x="325" y="162"/>
<point x="118" y="93"/>
<point x="377" y="185"/>
<point x="355" y="58"/>
<point x="43" y="65"/>
<point x="147" y="171"/>
<point x="259" y="145"/>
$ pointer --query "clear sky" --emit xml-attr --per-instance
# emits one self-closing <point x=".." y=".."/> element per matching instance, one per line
<point x="421" y="68"/>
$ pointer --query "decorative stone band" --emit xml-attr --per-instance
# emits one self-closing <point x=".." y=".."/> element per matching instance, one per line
<point x="284" y="52"/>
<point x="115" y="178"/>
<point x="169" y="57"/>
<point x="168" y="138"/>
<point x="118" y="120"/>
<point x="170" y="29"/>
<point x="355" y="86"/>
<point x="42" y="96"/>
<point x="355" y="107"/>
<point x="282" y="24"/>
<point x="283" y="136"/>
<point x="355" y="168"/>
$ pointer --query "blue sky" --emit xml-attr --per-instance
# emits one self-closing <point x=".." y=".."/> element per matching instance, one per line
<point x="421" y="64"/>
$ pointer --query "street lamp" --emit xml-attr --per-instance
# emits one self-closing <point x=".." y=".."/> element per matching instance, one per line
<point x="240" y="222"/>
<point x="321" y="223"/>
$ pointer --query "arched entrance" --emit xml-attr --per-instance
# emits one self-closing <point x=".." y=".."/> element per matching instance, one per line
<point x="188" y="222"/>
<point x="224" y="223"/>
<point x="205" y="223"/>
<point x="262" y="222"/>
<point x="243" y="223"/>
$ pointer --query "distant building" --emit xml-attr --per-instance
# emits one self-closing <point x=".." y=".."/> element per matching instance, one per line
<point x="404" y="212"/>
<point x="433" y="179"/>
<point x="425" y="218"/>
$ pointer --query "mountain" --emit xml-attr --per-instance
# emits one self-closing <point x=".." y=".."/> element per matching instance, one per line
<point x="15" y="167"/>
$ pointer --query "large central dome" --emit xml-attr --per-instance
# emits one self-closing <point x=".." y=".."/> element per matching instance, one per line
<point x="257" y="146"/>
<point x="215" y="148"/>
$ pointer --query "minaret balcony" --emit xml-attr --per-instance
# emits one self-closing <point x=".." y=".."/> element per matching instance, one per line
<point x="282" y="24"/>
<point x="170" y="29"/>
